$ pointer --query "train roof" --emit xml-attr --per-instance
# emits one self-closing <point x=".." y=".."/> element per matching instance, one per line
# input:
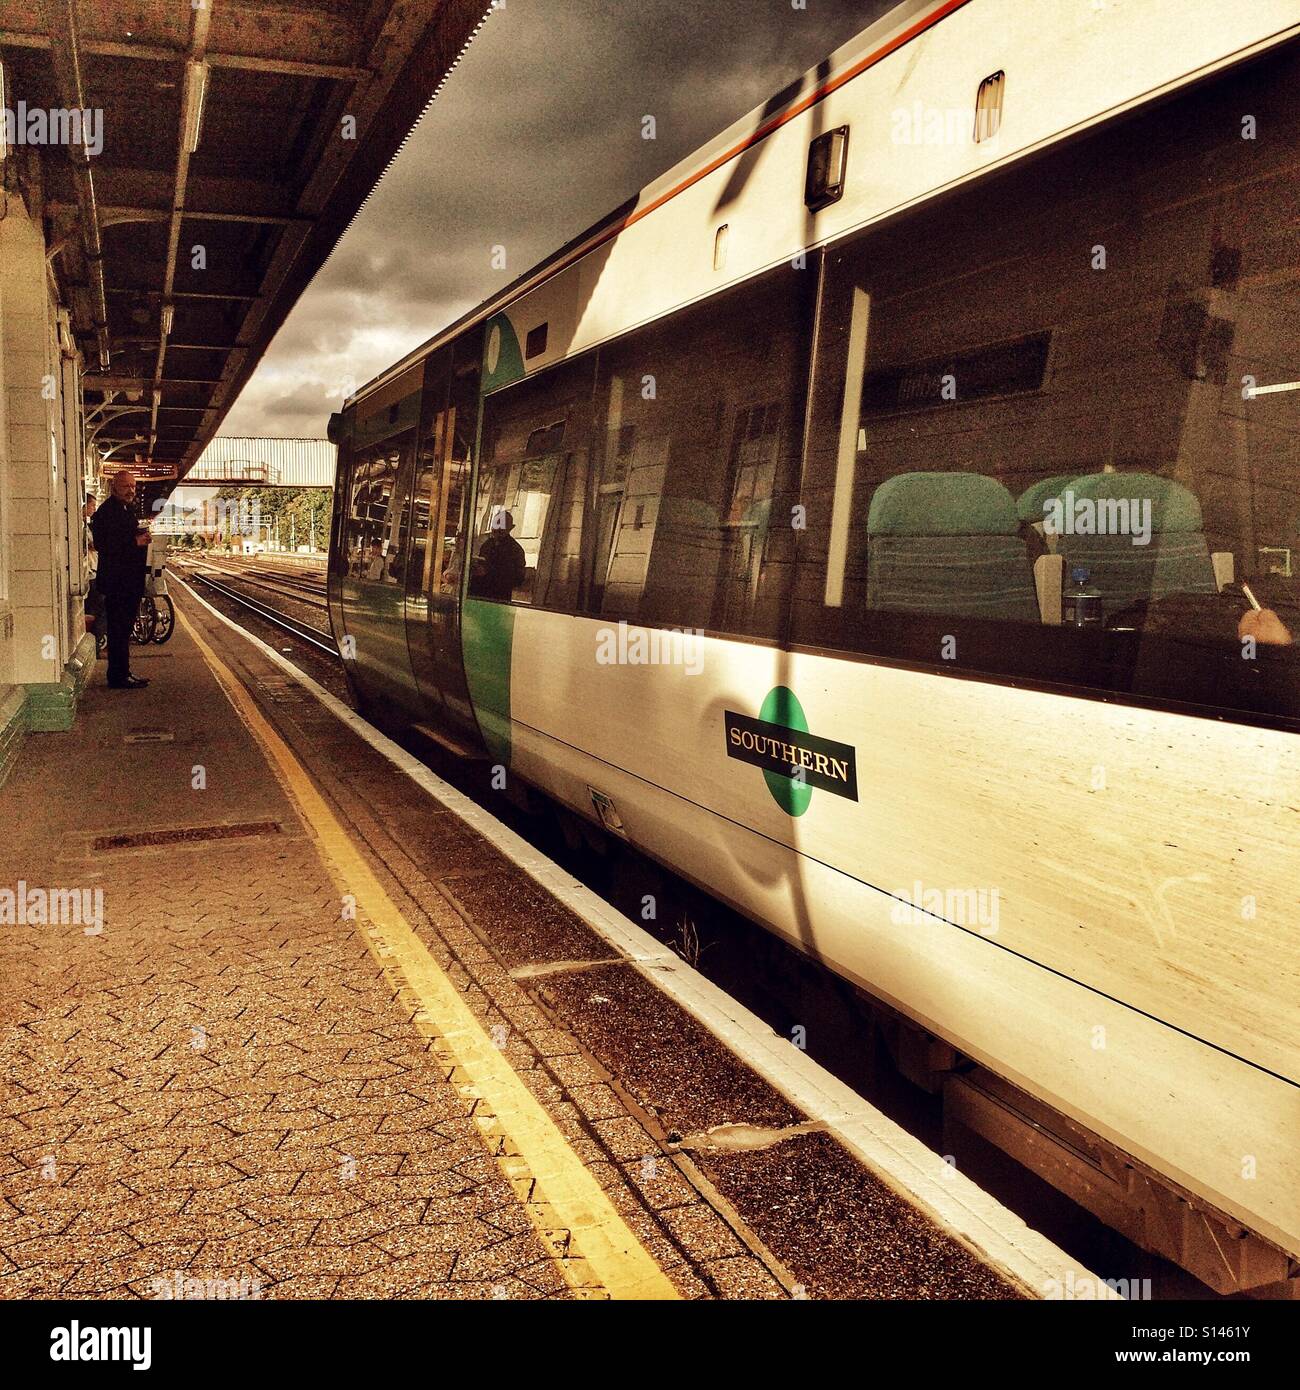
<point x="901" y="24"/>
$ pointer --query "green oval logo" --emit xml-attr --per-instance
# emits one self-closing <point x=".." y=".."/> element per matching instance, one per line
<point x="781" y="706"/>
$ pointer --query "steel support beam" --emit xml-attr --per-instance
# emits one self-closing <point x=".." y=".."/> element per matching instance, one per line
<point x="100" y="48"/>
<point x="123" y="213"/>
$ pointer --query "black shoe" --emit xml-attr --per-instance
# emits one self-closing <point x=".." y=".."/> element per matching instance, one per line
<point x="130" y="683"/>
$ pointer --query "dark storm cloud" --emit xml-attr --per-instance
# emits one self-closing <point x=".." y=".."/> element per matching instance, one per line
<point x="537" y="135"/>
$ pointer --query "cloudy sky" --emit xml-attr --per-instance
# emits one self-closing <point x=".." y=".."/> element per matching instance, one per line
<point x="537" y="135"/>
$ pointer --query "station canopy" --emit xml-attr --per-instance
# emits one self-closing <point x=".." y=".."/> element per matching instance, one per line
<point x="236" y="141"/>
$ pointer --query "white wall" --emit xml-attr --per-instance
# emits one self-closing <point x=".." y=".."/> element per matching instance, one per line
<point x="36" y="530"/>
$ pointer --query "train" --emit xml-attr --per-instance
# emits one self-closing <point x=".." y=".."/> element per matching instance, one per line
<point x="889" y="521"/>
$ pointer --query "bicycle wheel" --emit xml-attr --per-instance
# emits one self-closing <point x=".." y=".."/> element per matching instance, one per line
<point x="165" y="614"/>
<point x="145" y="619"/>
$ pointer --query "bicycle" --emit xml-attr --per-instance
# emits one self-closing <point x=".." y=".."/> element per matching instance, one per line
<point x="155" y="619"/>
<point x="164" y="618"/>
<point x="146" y="620"/>
<point x="156" y="595"/>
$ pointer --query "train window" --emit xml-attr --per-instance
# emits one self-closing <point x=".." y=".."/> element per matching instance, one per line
<point x="463" y="408"/>
<point x="535" y="343"/>
<point x="1065" y="445"/>
<point x="358" y="513"/>
<point x="381" y="510"/>
<point x="699" y="419"/>
<point x="381" y="455"/>
<point x="340" y="512"/>
<point x="442" y="472"/>
<point x="532" y="489"/>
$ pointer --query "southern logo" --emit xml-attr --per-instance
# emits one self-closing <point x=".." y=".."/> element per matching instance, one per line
<point x="794" y="761"/>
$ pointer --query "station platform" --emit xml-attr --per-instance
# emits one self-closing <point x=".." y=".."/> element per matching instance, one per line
<point x="281" y="1017"/>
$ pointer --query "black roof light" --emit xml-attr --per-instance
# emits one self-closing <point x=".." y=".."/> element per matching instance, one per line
<point x="827" y="160"/>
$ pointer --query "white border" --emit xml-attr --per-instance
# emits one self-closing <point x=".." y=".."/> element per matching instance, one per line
<point x="916" y="1172"/>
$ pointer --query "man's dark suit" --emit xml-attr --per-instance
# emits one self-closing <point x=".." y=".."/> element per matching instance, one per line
<point x="122" y="565"/>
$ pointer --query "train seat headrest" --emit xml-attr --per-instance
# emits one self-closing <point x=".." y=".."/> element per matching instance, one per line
<point x="1029" y="505"/>
<point x="1174" y="508"/>
<point x="941" y="504"/>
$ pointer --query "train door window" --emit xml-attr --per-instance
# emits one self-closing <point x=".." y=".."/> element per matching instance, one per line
<point x="355" y="524"/>
<point x="700" y="425"/>
<point x="427" y="505"/>
<point x="532" y="489"/>
<point x="1038" y="445"/>
<point x="444" y="463"/>
<point x="462" y="424"/>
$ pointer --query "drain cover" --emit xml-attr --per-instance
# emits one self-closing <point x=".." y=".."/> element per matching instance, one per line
<point x="187" y="835"/>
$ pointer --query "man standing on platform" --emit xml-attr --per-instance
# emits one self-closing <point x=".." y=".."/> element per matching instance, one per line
<point x="122" y="546"/>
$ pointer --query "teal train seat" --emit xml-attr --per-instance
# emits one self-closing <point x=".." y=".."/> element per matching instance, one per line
<point x="1029" y="505"/>
<point x="947" y="543"/>
<point x="1174" y="560"/>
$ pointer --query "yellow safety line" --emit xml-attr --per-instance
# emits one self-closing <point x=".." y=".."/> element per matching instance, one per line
<point x="598" y="1253"/>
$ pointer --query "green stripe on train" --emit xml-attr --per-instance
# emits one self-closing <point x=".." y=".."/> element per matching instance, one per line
<point x="487" y="637"/>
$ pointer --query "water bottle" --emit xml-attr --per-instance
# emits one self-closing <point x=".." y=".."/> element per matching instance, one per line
<point x="1081" y="603"/>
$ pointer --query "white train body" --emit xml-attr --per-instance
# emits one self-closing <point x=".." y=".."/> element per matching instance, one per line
<point x="1093" y="897"/>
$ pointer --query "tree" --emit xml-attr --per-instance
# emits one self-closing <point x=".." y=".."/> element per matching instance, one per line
<point x="303" y="512"/>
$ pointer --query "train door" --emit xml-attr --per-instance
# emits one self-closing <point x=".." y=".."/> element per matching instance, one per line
<point x="372" y="557"/>
<point x="434" y="573"/>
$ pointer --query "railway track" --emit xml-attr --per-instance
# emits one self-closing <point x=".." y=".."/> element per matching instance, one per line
<point x="319" y="639"/>
<point x="303" y="588"/>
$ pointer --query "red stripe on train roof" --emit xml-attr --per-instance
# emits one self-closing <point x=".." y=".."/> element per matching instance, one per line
<point x="800" y="107"/>
<point x="763" y="131"/>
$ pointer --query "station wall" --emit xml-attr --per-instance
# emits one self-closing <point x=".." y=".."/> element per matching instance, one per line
<point x="45" y="653"/>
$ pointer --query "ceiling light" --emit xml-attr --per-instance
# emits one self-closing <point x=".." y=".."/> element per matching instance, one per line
<point x="196" y="94"/>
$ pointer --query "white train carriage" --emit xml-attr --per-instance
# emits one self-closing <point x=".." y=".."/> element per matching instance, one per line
<point x="891" y="522"/>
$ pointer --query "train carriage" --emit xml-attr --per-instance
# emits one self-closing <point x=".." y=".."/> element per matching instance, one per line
<point x="890" y="521"/>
